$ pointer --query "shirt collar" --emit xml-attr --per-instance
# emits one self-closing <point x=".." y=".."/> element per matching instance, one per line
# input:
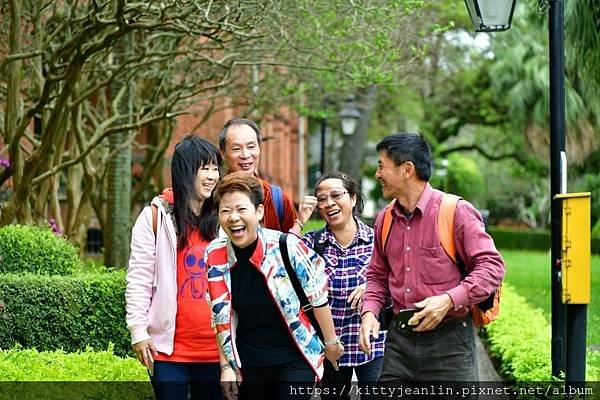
<point x="422" y="203"/>
<point x="361" y="234"/>
<point x="257" y="257"/>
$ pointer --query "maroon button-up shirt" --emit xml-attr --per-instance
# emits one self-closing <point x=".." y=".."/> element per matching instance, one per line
<point x="415" y="266"/>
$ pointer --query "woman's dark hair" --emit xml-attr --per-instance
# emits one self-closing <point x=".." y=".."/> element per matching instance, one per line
<point x="191" y="154"/>
<point x="403" y="146"/>
<point x="350" y="184"/>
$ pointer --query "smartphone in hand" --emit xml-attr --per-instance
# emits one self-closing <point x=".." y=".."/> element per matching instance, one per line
<point x="404" y="316"/>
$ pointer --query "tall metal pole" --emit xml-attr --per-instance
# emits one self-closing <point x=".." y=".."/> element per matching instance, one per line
<point x="557" y="145"/>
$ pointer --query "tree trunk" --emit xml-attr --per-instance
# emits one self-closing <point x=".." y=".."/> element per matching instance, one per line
<point x="353" y="148"/>
<point x="118" y="226"/>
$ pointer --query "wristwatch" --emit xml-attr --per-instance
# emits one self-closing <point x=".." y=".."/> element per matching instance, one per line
<point x="335" y="340"/>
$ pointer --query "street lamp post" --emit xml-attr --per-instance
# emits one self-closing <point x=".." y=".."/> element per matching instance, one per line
<point x="349" y="117"/>
<point x="567" y="321"/>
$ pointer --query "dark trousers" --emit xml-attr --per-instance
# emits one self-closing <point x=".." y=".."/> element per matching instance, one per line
<point x="175" y="380"/>
<point x="292" y="380"/>
<point x="339" y="383"/>
<point x="446" y="354"/>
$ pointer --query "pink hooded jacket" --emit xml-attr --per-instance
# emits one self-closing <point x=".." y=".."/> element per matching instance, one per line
<point x="151" y="292"/>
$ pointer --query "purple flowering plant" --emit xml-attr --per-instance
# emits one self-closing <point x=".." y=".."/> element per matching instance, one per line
<point x="4" y="162"/>
<point x="54" y="227"/>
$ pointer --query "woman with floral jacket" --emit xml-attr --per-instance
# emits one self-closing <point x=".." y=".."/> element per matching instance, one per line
<point x="265" y="339"/>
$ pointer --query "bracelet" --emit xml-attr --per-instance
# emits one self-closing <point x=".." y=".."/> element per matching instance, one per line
<point x="300" y="224"/>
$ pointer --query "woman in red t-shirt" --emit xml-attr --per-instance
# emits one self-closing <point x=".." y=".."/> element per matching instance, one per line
<point x="167" y="310"/>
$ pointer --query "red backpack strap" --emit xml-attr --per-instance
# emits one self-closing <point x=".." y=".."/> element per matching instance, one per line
<point x="445" y="223"/>
<point x="386" y="224"/>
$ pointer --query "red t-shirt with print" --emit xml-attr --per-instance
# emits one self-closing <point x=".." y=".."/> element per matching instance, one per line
<point x="195" y="339"/>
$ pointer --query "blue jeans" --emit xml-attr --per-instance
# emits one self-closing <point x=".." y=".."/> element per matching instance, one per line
<point x="339" y="382"/>
<point x="174" y="380"/>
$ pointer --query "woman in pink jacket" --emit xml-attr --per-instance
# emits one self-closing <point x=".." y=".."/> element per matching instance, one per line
<point x="167" y="310"/>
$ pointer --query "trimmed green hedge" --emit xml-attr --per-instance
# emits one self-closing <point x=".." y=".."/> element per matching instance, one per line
<point x="528" y="240"/>
<point x="30" y="375"/>
<point x="20" y="364"/>
<point x="31" y="249"/>
<point x="68" y="312"/>
<point x="520" y="339"/>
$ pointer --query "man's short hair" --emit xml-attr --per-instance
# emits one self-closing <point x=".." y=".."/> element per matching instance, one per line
<point x="240" y="182"/>
<point x="405" y="146"/>
<point x="236" y="122"/>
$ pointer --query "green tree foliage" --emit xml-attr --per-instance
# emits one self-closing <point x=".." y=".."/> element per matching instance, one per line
<point x="465" y="179"/>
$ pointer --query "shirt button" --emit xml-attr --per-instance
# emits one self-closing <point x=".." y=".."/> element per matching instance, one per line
<point x="408" y="289"/>
<point x="408" y="228"/>
<point x="407" y="247"/>
<point x="407" y="269"/>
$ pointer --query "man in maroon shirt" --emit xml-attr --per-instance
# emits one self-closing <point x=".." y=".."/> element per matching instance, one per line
<point x="239" y="143"/>
<point x="415" y="270"/>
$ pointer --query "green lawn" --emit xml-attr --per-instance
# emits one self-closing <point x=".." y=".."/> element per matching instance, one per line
<point x="529" y="273"/>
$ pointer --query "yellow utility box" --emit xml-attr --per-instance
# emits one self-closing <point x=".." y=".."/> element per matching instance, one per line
<point x="576" y="242"/>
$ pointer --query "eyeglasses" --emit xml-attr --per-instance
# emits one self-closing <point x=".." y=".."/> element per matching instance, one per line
<point x="335" y="196"/>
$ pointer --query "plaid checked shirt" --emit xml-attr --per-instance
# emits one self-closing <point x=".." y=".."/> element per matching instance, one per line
<point x="346" y="269"/>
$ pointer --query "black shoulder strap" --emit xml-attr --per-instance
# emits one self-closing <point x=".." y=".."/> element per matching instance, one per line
<point x="317" y="245"/>
<point x="304" y="303"/>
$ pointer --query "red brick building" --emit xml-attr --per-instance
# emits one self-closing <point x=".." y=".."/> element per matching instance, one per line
<point x="283" y="151"/>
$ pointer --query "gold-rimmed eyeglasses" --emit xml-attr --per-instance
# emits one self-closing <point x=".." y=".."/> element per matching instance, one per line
<point x="323" y="199"/>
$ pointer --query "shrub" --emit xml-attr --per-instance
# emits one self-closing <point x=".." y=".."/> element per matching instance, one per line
<point x="529" y="240"/>
<point x="465" y="179"/>
<point x="68" y="312"/>
<point x="19" y="364"/>
<point x="82" y="375"/>
<point x="520" y="339"/>
<point x="525" y="356"/>
<point x="31" y="249"/>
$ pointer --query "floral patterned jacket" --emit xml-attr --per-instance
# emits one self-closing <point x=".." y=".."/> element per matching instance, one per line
<point x="309" y="267"/>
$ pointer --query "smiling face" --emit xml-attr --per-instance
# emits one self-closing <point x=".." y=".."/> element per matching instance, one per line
<point x="242" y="150"/>
<point x="392" y="177"/>
<point x="207" y="178"/>
<point x="239" y="218"/>
<point x="334" y="202"/>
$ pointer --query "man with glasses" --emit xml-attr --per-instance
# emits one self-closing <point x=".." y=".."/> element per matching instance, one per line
<point x="437" y="344"/>
<point x="239" y="143"/>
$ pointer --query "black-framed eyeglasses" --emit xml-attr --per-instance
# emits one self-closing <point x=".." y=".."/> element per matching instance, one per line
<point x="335" y="196"/>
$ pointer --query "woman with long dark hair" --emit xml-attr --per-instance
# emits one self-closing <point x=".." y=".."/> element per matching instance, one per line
<point x="167" y="311"/>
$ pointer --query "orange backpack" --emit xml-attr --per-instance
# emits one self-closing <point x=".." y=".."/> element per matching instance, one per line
<point x="482" y="313"/>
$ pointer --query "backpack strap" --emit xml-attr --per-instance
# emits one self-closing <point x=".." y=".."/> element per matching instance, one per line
<point x="304" y="303"/>
<point x="445" y="224"/>
<point x="277" y="195"/>
<point x="386" y="225"/>
<point x="317" y="245"/>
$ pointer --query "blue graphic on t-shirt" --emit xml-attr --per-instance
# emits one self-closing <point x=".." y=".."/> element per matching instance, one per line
<point x="193" y="261"/>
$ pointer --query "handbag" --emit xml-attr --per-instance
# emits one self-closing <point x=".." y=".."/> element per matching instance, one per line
<point x="304" y="303"/>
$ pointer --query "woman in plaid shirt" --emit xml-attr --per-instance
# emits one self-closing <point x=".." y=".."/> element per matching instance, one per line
<point x="346" y="244"/>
